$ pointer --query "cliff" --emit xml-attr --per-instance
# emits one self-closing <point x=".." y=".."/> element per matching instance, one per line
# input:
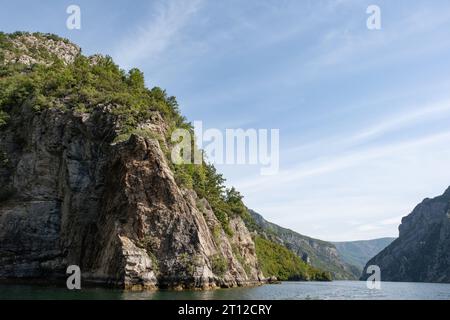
<point x="85" y="179"/>
<point x="422" y="251"/>
<point x="69" y="196"/>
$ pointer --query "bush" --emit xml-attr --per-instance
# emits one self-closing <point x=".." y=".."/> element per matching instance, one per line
<point x="148" y="244"/>
<point x="151" y="135"/>
<point x="219" y="265"/>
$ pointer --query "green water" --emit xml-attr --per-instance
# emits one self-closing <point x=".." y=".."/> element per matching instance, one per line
<point x="353" y="290"/>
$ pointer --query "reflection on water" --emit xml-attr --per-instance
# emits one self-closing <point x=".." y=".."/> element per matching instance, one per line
<point x="354" y="290"/>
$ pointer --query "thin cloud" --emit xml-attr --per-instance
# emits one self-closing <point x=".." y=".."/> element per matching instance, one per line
<point x="166" y="21"/>
<point x="391" y="123"/>
<point x="391" y="221"/>
<point x="380" y="225"/>
<point x="404" y="120"/>
<point x="339" y="162"/>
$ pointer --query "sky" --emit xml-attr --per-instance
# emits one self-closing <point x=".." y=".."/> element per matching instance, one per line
<point x="363" y="114"/>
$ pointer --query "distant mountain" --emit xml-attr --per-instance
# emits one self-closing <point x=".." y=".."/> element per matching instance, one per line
<point x="422" y="251"/>
<point x="318" y="253"/>
<point x="357" y="253"/>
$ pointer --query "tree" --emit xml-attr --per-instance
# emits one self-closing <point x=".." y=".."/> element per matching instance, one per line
<point x="136" y="79"/>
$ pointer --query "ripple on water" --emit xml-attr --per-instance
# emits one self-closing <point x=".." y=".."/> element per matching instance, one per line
<point x="337" y="290"/>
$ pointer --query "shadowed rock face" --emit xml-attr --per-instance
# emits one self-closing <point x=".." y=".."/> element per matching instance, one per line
<point x="68" y="195"/>
<point x="422" y="251"/>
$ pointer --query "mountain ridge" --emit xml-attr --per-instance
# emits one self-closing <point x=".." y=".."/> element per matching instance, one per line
<point x="319" y="253"/>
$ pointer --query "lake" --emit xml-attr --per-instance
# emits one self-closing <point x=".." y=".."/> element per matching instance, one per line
<point x="336" y="290"/>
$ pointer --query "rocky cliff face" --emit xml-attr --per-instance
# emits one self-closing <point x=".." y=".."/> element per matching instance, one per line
<point x="30" y="49"/>
<point x="422" y="251"/>
<point x="69" y="195"/>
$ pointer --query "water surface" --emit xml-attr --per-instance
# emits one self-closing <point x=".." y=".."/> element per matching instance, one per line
<point x="336" y="290"/>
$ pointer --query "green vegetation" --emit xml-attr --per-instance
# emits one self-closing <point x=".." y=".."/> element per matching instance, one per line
<point x="209" y="184"/>
<point x="189" y="263"/>
<point x="149" y="245"/>
<point x="82" y="86"/>
<point x="38" y="52"/>
<point x="240" y="258"/>
<point x="216" y="234"/>
<point x="276" y="260"/>
<point x="219" y="264"/>
<point x="145" y="133"/>
<point x="17" y="34"/>
<point x="317" y="251"/>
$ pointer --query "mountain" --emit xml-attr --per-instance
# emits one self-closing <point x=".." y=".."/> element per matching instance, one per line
<point x="86" y="179"/>
<point x="358" y="253"/>
<point x="422" y="251"/>
<point x="318" y="253"/>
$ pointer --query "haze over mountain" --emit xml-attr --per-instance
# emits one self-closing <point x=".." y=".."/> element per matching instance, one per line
<point x="358" y="253"/>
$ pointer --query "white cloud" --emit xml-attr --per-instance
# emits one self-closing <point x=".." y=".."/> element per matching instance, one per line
<point x="404" y="120"/>
<point x="166" y="21"/>
<point x="330" y="164"/>
<point x="390" y="123"/>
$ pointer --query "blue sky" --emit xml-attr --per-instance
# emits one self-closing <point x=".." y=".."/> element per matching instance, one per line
<point x="363" y="115"/>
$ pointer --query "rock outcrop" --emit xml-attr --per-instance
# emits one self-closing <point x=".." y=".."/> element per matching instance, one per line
<point x="422" y="251"/>
<point x="30" y="49"/>
<point x="71" y="196"/>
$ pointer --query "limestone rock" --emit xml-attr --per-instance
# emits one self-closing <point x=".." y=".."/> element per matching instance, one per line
<point x="35" y="48"/>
